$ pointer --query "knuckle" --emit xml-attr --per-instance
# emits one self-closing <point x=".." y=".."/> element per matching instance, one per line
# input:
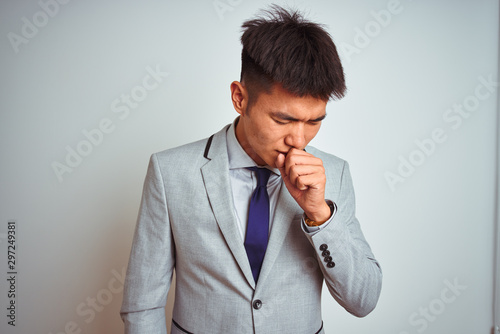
<point x="299" y="182"/>
<point x="290" y="158"/>
<point x="292" y="169"/>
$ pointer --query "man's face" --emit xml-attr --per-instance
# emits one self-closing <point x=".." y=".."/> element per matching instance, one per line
<point x="277" y="122"/>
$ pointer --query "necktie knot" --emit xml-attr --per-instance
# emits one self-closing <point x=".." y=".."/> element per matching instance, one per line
<point x="263" y="175"/>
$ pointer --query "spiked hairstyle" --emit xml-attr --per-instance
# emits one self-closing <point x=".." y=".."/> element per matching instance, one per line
<point x="280" y="46"/>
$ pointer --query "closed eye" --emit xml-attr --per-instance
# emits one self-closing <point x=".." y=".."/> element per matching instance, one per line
<point x="282" y="119"/>
<point x="280" y="122"/>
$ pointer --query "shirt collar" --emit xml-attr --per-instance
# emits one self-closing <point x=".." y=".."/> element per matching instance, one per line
<point x="238" y="158"/>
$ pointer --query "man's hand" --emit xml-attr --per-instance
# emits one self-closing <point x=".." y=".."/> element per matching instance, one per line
<point x="304" y="177"/>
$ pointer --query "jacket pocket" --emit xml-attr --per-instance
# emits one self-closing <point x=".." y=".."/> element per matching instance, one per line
<point x="179" y="327"/>
<point x="320" y="330"/>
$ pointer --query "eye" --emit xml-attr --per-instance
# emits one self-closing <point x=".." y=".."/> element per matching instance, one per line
<point x="279" y="122"/>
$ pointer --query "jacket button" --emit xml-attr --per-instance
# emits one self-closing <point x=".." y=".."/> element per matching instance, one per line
<point x="328" y="259"/>
<point x="326" y="253"/>
<point x="257" y="304"/>
<point x="323" y="247"/>
<point x="330" y="264"/>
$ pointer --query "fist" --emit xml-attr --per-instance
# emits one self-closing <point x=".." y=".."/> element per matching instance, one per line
<point x="304" y="177"/>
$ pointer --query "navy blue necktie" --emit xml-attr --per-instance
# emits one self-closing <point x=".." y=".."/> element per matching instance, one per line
<point x="258" y="222"/>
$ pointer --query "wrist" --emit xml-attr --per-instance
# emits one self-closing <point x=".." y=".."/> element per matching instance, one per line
<point x="319" y="217"/>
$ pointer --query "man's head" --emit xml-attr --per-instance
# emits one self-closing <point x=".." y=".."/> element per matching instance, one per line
<point x="290" y="69"/>
<point x="282" y="47"/>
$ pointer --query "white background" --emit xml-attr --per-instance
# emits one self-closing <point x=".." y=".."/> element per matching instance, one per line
<point x="405" y="71"/>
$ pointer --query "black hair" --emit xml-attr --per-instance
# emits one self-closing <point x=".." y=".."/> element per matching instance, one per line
<point x="280" y="46"/>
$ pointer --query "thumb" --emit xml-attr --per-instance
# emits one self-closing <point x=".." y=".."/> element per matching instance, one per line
<point x="280" y="164"/>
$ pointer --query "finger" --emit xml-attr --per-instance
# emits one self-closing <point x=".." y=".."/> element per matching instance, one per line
<point x="300" y="155"/>
<point x="301" y="159"/>
<point x="310" y="181"/>
<point x="280" y="163"/>
<point x="297" y="171"/>
<point x="294" y="151"/>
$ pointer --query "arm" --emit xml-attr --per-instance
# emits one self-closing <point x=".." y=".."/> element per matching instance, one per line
<point x="351" y="272"/>
<point x="355" y="279"/>
<point x="152" y="260"/>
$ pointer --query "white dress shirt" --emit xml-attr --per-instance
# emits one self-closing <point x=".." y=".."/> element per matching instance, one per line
<point x="244" y="182"/>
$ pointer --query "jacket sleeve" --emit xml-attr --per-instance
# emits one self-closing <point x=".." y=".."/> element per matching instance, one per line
<point x="152" y="260"/>
<point x="352" y="274"/>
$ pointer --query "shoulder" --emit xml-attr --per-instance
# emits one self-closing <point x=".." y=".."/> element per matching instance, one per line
<point x="190" y="149"/>
<point x="179" y="157"/>
<point x="191" y="155"/>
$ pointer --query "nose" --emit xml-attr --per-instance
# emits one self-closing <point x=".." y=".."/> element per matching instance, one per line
<point x="296" y="136"/>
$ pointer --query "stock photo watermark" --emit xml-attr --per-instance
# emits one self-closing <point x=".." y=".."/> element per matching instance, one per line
<point x="121" y="108"/>
<point x="12" y="272"/>
<point x="30" y="27"/>
<point x="88" y="309"/>
<point x="453" y="117"/>
<point x="223" y="6"/>
<point x="429" y="313"/>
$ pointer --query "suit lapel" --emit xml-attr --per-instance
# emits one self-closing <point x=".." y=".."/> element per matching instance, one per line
<point x="286" y="210"/>
<point x="218" y="187"/>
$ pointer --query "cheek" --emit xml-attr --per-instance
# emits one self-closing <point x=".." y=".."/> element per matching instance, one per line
<point x="275" y="137"/>
<point x="264" y="140"/>
<point x="311" y="133"/>
<point x="266" y="134"/>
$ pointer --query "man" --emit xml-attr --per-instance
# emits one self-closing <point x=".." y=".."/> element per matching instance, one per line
<point x="253" y="220"/>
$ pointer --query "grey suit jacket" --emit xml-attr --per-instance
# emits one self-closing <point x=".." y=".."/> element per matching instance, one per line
<point x="186" y="223"/>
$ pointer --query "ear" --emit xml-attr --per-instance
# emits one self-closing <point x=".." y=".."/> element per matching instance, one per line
<point x="239" y="96"/>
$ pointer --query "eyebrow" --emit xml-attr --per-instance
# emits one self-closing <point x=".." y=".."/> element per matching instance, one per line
<point x="286" y="117"/>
